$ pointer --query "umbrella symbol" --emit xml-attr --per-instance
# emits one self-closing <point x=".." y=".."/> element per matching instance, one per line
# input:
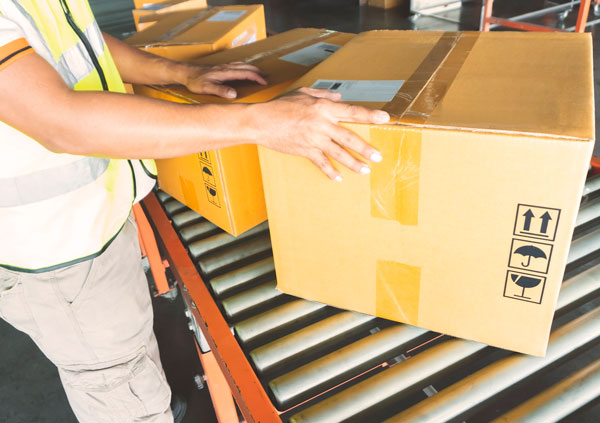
<point x="530" y="251"/>
<point x="524" y="282"/>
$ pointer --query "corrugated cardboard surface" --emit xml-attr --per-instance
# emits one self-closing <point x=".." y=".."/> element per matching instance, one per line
<point x="238" y="204"/>
<point x="495" y="125"/>
<point x="149" y="14"/>
<point x="185" y="35"/>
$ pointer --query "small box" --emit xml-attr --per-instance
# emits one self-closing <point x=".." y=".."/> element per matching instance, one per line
<point x="385" y="4"/>
<point x="185" y="35"/>
<point x="465" y="226"/>
<point x="225" y="186"/>
<point x="148" y="14"/>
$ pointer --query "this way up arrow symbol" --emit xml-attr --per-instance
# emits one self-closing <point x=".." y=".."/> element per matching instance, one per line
<point x="528" y="216"/>
<point x="545" y="219"/>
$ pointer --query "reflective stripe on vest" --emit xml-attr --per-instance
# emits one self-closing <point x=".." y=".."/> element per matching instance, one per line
<point x="72" y="209"/>
<point x="48" y="183"/>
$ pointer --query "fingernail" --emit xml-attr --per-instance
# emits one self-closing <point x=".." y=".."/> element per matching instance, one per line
<point x="231" y="94"/>
<point x="376" y="157"/>
<point x="365" y="170"/>
<point x="382" y="117"/>
<point x="338" y="178"/>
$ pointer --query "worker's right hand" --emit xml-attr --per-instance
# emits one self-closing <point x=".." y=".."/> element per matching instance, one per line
<point x="306" y="123"/>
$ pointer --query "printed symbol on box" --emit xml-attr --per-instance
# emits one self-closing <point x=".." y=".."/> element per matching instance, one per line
<point x="212" y="195"/>
<point x="207" y="176"/>
<point x="524" y="287"/>
<point x="536" y="222"/>
<point x="204" y="157"/>
<point x="530" y="256"/>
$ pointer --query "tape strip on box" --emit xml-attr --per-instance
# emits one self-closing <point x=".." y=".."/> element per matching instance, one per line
<point x="398" y="288"/>
<point x="425" y="89"/>
<point x="395" y="181"/>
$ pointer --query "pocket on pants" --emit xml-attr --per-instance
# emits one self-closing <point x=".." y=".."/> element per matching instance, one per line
<point x="134" y="389"/>
<point x="13" y="305"/>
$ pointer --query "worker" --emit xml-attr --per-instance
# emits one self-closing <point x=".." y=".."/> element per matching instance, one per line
<point x="70" y="272"/>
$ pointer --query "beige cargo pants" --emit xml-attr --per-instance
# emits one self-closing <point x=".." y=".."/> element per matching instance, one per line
<point x="93" y="320"/>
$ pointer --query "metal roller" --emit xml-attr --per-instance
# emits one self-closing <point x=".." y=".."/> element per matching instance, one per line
<point x="588" y="212"/>
<point x="220" y="261"/>
<point x="172" y="206"/>
<point x="416" y="372"/>
<point x="250" y="299"/>
<point x="209" y="244"/>
<point x="578" y="289"/>
<point x="197" y="230"/>
<point x="279" y="318"/>
<point x="559" y="401"/>
<point x="404" y="377"/>
<point x="309" y="340"/>
<point x="592" y="187"/>
<point x="345" y="363"/>
<point x="162" y="196"/>
<point x="184" y="218"/>
<point x="584" y="248"/>
<point x="237" y="279"/>
<point x="457" y="401"/>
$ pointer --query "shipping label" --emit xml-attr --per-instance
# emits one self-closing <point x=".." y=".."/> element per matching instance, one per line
<point x="361" y="90"/>
<point x="312" y="54"/>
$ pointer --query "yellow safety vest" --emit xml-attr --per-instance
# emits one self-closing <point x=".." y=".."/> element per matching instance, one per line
<point x="61" y="209"/>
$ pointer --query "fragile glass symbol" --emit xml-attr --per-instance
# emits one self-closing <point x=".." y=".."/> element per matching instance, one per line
<point x="524" y="282"/>
<point x="530" y="251"/>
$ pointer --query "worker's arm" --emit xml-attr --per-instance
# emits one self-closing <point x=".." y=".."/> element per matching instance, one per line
<point x="140" y="67"/>
<point x="36" y="101"/>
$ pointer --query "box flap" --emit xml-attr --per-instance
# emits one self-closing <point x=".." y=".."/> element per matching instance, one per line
<point x="470" y="80"/>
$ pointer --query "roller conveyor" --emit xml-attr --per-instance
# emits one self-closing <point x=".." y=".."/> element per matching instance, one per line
<point x="302" y="361"/>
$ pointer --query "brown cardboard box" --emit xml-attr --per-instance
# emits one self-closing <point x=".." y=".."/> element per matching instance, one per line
<point x="385" y="4"/>
<point x="148" y="14"/>
<point x="464" y="227"/>
<point x="225" y="186"/>
<point x="185" y="35"/>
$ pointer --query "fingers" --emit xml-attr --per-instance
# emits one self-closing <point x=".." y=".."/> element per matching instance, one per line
<point x="323" y="163"/>
<point x="353" y="142"/>
<point x="352" y="113"/>
<point x="343" y="157"/>
<point x="245" y="66"/>
<point x="237" y="75"/>
<point x="218" y="90"/>
<point x="321" y="93"/>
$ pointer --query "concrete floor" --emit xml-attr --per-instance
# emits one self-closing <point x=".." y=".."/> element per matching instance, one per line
<point x="30" y="390"/>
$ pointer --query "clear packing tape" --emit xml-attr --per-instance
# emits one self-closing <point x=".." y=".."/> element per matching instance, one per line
<point x="395" y="181"/>
<point x="426" y="87"/>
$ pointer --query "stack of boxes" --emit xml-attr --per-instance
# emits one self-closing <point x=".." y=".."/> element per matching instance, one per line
<point x="465" y="225"/>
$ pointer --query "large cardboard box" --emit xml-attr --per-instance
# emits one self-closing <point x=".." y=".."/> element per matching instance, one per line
<point x="183" y="36"/>
<point x="225" y="185"/>
<point x="464" y="227"/>
<point x="149" y="13"/>
<point x="138" y="4"/>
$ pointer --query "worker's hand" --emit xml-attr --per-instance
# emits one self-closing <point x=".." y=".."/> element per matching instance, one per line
<point x="212" y="79"/>
<point x="305" y="123"/>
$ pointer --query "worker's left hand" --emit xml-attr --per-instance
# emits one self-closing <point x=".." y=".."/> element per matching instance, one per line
<point x="212" y="79"/>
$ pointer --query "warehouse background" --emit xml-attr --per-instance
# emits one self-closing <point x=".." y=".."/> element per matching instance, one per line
<point x="30" y="390"/>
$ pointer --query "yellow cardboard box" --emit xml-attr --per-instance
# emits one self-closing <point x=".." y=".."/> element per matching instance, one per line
<point x="225" y="186"/>
<point x="149" y="13"/>
<point x="385" y="4"/>
<point x="185" y="35"/>
<point x="464" y="227"/>
<point x="139" y="4"/>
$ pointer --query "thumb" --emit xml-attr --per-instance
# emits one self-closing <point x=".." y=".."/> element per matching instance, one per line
<point x="321" y="93"/>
